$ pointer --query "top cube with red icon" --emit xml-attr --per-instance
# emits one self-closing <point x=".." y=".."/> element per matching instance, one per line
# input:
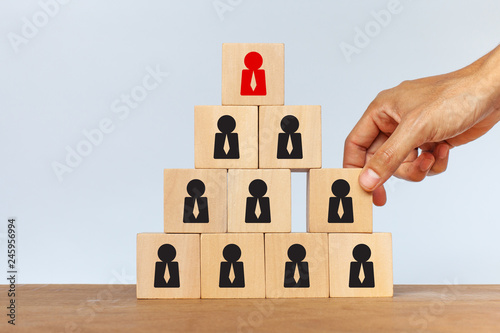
<point x="253" y="74"/>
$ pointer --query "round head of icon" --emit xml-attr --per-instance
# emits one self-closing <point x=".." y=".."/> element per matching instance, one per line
<point x="253" y="60"/>
<point x="361" y="253"/>
<point x="226" y="124"/>
<point x="340" y="188"/>
<point x="231" y="253"/>
<point x="195" y="188"/>
<point x="289" y="124"/>
<point x="257" y="188"/>
<point x="166" y="253"/>
<point x="296" y="253"/>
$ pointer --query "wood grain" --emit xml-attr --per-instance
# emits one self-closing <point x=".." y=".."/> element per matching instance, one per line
<point x="319" y="192"/>
<point x="187" y="247"/>
<point x="114" y="308"/>
<point x="278" y="191"/>
<point x="175" y="192"/>
<point x="205" y="129"/>
<point x="309" y="117"/>
<point x="316" y="248"/>
<point x="252" y="257"/>
<point x="273" y="56"/>
<point x="341" y="256"/>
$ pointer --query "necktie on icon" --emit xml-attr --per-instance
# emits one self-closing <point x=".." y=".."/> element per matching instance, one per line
<point x="296" y="274"/>
<point x="196" y="210"/>
<point x="253" y="82"/>
<point x="341" y="209"/>
<point x="232" y="276"/>
<point x="167" y="274"/>
<point x="289" y="145"/>
<point x="361" y="274"/>
<point x="258" y="211"/>
<point x="226" y="144"/>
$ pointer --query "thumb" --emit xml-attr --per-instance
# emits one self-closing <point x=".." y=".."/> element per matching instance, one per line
<point x="388" y="158"/>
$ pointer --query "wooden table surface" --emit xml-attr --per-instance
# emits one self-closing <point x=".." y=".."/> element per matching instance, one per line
<point x="114" y="308"/>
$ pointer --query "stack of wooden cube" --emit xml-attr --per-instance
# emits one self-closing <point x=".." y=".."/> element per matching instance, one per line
<point x="227" y="223"/>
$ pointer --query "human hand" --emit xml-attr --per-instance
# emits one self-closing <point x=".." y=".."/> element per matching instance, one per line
<point x="432" y="114"/>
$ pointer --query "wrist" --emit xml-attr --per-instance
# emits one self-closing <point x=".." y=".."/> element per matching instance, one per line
<point x="487" y="78"/>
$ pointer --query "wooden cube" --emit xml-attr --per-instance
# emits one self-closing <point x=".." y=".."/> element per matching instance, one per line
<point x="195" y="201"/>
<point x="226" y="137"/>
<point x="232" y="266"/>
<point x="168" y="265"/>
<point x="290" y="137"/>
<point x="259" y="201"/>
<point x="296" y="265"/>
<point x="253" y="74"/>
<point x="337" y="203"/>
<point x="361" y="265"/>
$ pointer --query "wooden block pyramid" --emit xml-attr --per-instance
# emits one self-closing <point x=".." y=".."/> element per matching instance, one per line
<point x="227" y="223"/>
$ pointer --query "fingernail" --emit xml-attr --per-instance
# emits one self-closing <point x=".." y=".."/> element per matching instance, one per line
<point x="426" y="164"/>
<point x="369" y="179"/>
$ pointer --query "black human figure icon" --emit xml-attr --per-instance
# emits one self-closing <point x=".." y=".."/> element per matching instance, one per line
<point x="231" y="270"/>
<point x="226" y="138"/>
<point x="258" y="189"/>
<point x="167" y="253"/>
<point x="289" y="143"/>
<point x="195" y="206"/>
<point x="296" y="253"/>
<point x="366" y="278"/>
<point x="340" y="190"/>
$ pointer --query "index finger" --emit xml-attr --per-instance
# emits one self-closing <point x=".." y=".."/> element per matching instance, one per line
<point x="359" y="140"/>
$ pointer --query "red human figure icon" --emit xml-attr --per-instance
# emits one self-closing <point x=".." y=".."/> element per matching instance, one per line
<point x="253" y="79"/>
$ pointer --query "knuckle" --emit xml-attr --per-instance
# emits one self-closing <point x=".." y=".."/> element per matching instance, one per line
<point x="348" y="140"/>
<point x="351" y="143"/>
<point x="405" y="84"/>
<point x="381" y="100"/>
<point x="380" y="95"/>
<point x="386" y="156"/>
<point x="385" y="161"/>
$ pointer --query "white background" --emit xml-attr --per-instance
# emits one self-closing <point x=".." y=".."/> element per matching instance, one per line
<point x="64" y="79"/>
